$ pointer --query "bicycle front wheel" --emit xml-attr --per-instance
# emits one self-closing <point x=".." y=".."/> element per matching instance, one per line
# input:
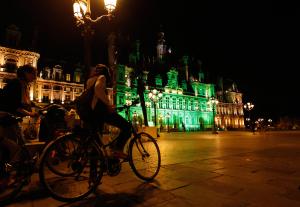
<point x="144" y="156"/>
<point x="11" y="182"/>
<point x="71" y="169"/>
<point x="13" y="175"/>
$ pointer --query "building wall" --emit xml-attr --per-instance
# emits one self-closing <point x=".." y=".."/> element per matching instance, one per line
<point x="52" y="88"/>
<point x="176" y="109"/>
<point x="19" y="57"/>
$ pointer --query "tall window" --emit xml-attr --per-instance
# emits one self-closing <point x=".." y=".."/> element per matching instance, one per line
<point x="180" y="104"/>
<point x="160" y="103"/>
<point x="187" y="102"/>
<point x="77" y="79"/>
<point x="11" y="65"/>
<point x="174" y="103"/>
<point x="68" y="77"/>
<point x="167" y="102"/>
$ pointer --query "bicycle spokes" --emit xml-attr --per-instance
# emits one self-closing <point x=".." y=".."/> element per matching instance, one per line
<point x="144" y="156"/>
<point x="77" y="171"/>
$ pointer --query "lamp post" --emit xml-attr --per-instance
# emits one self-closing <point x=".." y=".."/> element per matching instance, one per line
<point x="134" y="120"/>
<point x="82" y="14"/>
<point x="155" y="96"/>
<point x="148" y="105"/>
<point x="168" y="121"/>
<point x="213" y="101"/>
<point x="248" y="107"/>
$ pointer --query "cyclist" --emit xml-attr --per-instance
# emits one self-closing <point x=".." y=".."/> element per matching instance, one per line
<point x="14" y="100"/>
<point x="104" y="111"/>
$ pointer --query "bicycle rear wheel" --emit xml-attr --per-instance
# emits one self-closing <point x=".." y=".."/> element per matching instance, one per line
<point x="144" y="156"/>
<point x="76" y="170"/>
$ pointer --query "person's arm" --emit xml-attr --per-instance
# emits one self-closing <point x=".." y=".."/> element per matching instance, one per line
<point x="26" y="113"/>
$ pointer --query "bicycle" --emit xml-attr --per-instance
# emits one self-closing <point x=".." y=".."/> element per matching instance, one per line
<point x="81" y="170"/>
<point x="16" y="173"/>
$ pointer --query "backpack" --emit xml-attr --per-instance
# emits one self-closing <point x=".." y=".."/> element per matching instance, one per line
<point x="83" y="104"/>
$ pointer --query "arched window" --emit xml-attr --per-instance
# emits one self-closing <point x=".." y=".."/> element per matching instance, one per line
<point x="11" y="65"/>
<point x="160" y="103"/>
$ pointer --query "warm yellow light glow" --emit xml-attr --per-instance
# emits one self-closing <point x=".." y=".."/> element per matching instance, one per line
<point x="110" y="5"/>
<point x="79" y="7"/>
<point x="150" y="95"/>
<point x="248" y="106"/>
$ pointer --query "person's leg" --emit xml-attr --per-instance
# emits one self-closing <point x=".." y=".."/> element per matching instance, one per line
<point x="10" y="136"/>
<point x="13" y="150"/>
<point x="125" y="129"/>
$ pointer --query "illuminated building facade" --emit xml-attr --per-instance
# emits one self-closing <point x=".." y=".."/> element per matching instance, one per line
<point x="177" y="109"/>
<point x="230" y="111"/>
<point x="52" y="84"/>
<point x="184" y="105"/>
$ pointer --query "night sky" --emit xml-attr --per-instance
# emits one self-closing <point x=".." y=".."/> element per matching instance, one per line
<point x="257" y="46"/>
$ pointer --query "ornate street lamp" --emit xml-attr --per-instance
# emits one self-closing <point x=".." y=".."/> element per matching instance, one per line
<point x="269" y="122"/>
<point x="155" y="96"/>
<point x="82" y="14"/>
<point x="213" y="101"/>
<point x="248" y="107"/>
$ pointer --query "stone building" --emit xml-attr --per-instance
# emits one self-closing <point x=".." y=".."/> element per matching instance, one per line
<point x="52" y="84"/>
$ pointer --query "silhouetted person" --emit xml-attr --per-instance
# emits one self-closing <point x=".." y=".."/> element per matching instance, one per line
<point x="103" y="111"/>
<point x="15" y="100"/>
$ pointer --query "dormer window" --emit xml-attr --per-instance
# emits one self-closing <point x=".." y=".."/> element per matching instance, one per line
<point x="77" y="79"/>
<point x="68" y="77"/>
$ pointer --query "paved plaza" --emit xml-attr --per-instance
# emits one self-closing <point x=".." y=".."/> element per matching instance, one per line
<point x="229" y="169"/>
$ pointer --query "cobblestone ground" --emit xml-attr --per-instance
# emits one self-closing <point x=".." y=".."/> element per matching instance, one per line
<point x="233" y="169"/>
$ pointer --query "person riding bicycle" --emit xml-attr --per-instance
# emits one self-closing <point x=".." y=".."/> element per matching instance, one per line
<point x="14" y="101"/>
<point x="16" y="98"/>
<point x="104" y="111"/>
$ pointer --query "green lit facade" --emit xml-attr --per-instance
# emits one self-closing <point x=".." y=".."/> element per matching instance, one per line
<point x="178" y="108"/>
<point x="185" y="104"/>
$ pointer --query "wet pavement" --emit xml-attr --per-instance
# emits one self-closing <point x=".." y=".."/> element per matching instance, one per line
<point x="233" y="169"/>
